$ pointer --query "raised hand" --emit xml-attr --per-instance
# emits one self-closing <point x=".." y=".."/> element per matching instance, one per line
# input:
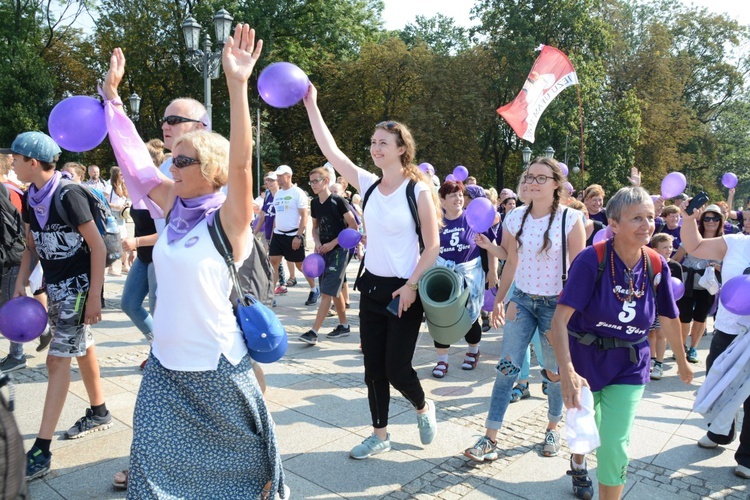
<point x="115" y="74"/>
<point x="240" y="54"/>
<point x="312" y="95"/>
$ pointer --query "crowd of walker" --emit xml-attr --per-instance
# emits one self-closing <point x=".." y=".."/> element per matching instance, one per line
<point x="606" y="330"/>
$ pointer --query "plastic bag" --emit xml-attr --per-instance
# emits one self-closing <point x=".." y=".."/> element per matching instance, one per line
<point x="709" y="281"/>
<point x="581" y="430"/>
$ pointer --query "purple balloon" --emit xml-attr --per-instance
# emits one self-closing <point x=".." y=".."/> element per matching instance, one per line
<point x="734" y="295"/>
<point x="450" y="177"/>
<point x="569" y="187"/>
<point x="601" y="235"/>
<point x="460" y="173"/>
<point x="348" y="238"/>
<point x="678" y="288"/>
<point x="313" y="265"/>
<point x="480" y="214"/>
<point x="282" y="84"/>
<point x="22" y="319"/>
<point x="77" y="123"/>
<point x="489" y="299"/>
<point x="729" y="180"/>
<point x="427" y="169"/>
<point x="672" y="185"/>
<point x="564" y="168"/>
<point x="271" y="356"/>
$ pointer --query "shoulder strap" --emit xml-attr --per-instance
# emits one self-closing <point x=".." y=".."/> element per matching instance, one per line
<point x="653" y="264"/>
<point x="564" y="249"/>
<point x="57" y="197"/>
<point x="224" y="247"/>
<point x="601" y="256"/>
<point x="412" y="201"/>
<point x="368" y="193"/>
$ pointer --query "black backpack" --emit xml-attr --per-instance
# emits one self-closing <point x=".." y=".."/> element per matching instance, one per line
<point x="12" y="458"/>
<point x="12" y="231"/>
<point x="256" y="275"/>
<point x="103" y="217"/>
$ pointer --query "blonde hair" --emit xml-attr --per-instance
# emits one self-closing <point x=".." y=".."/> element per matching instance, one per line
<point x="321" y="171"/>
<point x="593" y="190"/>
<point x="79" y="169"/>
<point x="661" y="238"/>
<point x="213" y="153"/>
<point x="577" y="205"/>
<point x="491" y="194"/>
<point x="156" y="150"/>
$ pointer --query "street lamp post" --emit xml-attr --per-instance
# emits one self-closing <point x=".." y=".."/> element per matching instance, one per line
<point x="549" y="153"/>
<point x="135" y="107"/>
<point x="208" y="63"/>
<point x="526" y="154"/>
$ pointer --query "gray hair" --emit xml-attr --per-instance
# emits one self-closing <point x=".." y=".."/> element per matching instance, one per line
<point x="626" y="197"/>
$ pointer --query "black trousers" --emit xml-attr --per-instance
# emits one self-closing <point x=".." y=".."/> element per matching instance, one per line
<point x="719" y="344"/>
<point x="388" y="344"/>
<point x="473" y="336"/>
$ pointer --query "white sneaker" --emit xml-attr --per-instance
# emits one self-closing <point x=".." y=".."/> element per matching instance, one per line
<point x="705" y="442"/>
<point x="427" y="423"/>
<point x="653" y="363"/>
<point x="657" y="372"/>
<point x="742" y="472"/>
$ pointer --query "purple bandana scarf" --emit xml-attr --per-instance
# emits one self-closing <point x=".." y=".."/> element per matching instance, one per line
<point x="41" y="199"/>
<point x="186" y="214"/>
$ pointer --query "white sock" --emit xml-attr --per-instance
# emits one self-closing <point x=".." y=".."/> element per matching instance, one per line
<point x="474" y="349"/>
<point x="576" y="465"/>
<point x="443" y="358"/>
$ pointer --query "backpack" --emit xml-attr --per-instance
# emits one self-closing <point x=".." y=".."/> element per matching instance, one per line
<point x="653" y="263"/>
<point x="12" y="231"/>
<point x="12" y="457"/>
<point x="255" y="274"/>
<point x="103" y="217"/>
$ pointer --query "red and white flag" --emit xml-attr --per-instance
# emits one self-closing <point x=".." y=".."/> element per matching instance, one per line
<point x="551" y="74"/>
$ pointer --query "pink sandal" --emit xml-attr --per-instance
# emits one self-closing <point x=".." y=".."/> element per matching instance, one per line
<point x="440" y="370"/>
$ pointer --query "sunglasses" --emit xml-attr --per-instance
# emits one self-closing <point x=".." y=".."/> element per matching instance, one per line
<point x="712" y="219"/>
<point x="184" y="161"/>
<point x="540" y="179"/>
<point x="387" y="125"/>
<point x="174" y="120"/>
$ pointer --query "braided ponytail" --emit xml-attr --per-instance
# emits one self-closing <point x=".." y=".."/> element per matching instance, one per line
<point x="523" y="221"/>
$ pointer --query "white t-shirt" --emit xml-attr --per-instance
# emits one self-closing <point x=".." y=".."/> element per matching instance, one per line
<point x="540" y="273"/>
<point x="736" y="260"/>
<point x="392" y="241"/>
<point x="194" y="323"/>
<point x="287" y="204"/>
<point x="164" y="169"/>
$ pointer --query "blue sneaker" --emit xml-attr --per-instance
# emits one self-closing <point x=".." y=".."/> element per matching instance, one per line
<point x="37" y="465"/>
<point x="312" y="299"/>
<point x="582" y="486"/>
<point x="427" y="423"/>
<point x="692" y="355"/>
<point x="371" y="446"/>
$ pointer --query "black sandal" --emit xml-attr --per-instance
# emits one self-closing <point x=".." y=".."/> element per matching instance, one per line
<point x="520" y="391"/>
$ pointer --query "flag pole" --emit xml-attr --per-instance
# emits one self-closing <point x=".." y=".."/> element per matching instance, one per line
<point x="580" y="117"/>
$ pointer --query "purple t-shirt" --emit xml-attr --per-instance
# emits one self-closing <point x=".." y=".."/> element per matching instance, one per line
<point x="601" y="217"/>
<point x="599" y="311"/>
<point x="457" y="240"/>
<point x="270" y="215"/>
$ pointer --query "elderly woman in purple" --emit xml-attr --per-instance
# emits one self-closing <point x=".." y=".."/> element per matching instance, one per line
<point x="600" y="335"/>
<point x="459" y="251"/>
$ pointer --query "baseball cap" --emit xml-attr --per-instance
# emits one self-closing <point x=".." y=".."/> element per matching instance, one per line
<point x="271" y="175"/>
<point x="475" y="191"/>
<point x="283" y="169"/>
<point x="34" y="145"/>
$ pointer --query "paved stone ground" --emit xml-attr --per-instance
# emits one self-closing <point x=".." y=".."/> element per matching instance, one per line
<point x="319" y="402"/>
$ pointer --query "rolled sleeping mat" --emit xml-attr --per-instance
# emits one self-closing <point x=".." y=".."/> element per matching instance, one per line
<point x="444" y="300"/>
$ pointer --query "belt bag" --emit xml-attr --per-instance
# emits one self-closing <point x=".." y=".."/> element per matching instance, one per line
<point x="607" y="343"/>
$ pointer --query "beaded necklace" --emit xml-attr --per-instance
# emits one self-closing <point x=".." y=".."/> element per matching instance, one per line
<point x="632" y="294"/>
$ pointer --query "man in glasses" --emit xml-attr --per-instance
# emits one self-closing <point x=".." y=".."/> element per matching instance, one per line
<point x="288" y="238"/>
<point x="331" y="215"/>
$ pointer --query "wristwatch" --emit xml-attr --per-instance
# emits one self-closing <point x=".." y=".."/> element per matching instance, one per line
<point x="301" y="238"/>
<point x="413" y="286"/>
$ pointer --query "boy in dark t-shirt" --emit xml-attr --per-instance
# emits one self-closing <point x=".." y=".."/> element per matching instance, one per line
<point x="73" y="264"/>
<point x="331" y="215"/>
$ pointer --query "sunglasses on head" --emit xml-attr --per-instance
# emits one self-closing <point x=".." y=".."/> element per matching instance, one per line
<point x="387" y="125"/>
<point x="714" y="218"/>
<point x="184" y="161"/>
<point x="174" y="120"/>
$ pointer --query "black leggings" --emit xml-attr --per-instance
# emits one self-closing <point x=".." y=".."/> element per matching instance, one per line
<point x="695" y="307"/>
<point x="473" y="336"/>
<point x="388" y="344"/>
<point x="719" y="344"/>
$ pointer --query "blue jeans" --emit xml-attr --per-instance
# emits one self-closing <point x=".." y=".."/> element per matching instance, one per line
<point x="526" y="368"/>
<point x="141" y="281"/>
<point x="533" y="311"/>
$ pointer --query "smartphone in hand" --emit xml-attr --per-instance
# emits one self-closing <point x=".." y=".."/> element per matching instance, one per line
<point x="696" y="202"/>
<point x="393" y="306"/>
